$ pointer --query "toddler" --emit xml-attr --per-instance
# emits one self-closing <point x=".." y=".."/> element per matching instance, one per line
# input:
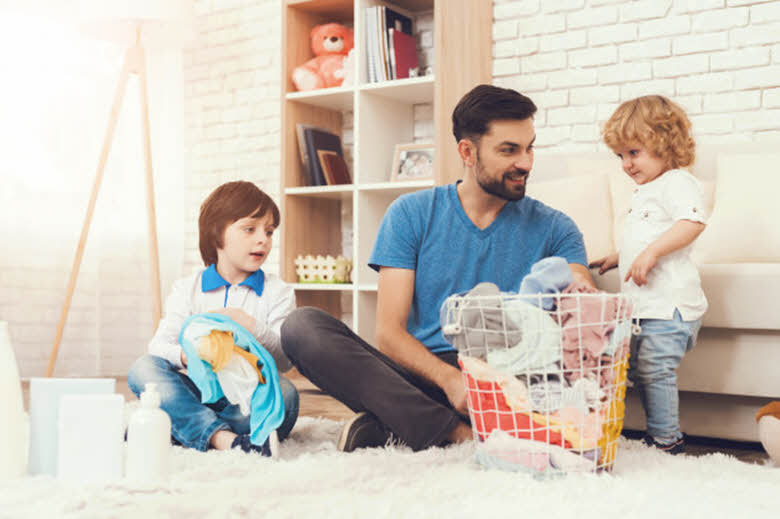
<point x="651" y="137"/>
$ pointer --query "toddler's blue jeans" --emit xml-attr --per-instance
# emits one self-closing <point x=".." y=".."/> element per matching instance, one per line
<point x="655" y="355"/>
<point x="192" y="423"/>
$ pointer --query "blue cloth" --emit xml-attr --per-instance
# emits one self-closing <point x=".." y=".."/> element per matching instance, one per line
<point x="193" y="423"/>
<point x="548" y="276"/>
<point x="429" y="232"/>
<point x="267" y="407"/>
<point x="655" y="355"/>
<point x="211" y="280"/>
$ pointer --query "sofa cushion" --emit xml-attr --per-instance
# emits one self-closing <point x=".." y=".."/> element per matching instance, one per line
<point x="584" y="198"/>
<point x="743" y="227"/>
<point x="740" y="295"/>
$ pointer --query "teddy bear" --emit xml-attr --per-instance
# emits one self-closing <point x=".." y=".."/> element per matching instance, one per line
<point x="331" y="43"/>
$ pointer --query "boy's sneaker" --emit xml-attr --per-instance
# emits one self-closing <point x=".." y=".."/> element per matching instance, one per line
<point x="362" y="431"/>
<point x="242" y="442"/>
<point x="674" y="448"/>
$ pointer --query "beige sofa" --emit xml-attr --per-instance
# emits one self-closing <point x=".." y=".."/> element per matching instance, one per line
<point x="735" y="367"/>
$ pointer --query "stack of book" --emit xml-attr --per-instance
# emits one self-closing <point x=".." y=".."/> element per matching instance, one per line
<point x="322" y="157"/>
<point x="390" y="45"/>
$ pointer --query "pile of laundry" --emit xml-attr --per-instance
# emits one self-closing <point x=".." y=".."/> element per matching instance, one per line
<point x="225" y="360"/>
<point x="544" y="369"/>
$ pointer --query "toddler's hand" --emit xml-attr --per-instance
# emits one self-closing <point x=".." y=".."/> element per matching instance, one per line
<point x="183" y="359"/>
<point x="606" y="263"/>
<point x="641" y="266"/>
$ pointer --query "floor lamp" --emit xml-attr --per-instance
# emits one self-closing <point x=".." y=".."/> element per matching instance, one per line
<point x="139" y="23"/>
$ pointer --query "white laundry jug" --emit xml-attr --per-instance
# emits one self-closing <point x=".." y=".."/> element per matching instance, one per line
<point x="13" y="432"/>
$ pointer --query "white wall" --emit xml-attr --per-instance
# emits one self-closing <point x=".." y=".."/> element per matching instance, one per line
<point x="578" y="59"/>
<point x="232" y="106"/>
<point x="55" y="102"/>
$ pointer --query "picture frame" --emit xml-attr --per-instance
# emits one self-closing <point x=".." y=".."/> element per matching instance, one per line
<point x="413" y="161"/>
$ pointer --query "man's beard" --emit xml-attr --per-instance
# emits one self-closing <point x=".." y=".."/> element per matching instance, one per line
<point x="499" y="187"/>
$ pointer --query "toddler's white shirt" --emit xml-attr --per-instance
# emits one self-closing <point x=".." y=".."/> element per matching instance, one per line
<point x="674" y="281"/>
<point x="263" y="296"/>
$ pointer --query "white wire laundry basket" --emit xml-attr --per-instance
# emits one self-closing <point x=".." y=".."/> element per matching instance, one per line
<point x="545" y="376"/>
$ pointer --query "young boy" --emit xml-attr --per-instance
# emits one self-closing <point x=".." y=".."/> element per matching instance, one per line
<point x="236" y="227"/>
<point x="651" y="136"/>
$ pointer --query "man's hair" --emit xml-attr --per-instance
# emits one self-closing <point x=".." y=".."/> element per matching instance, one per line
<point x="656" y="123"/>
<point x="486" y="103"/>
<point x="226" y="204"/>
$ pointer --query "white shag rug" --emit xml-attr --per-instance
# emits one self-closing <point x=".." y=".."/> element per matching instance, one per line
<point x="312" y="479"/>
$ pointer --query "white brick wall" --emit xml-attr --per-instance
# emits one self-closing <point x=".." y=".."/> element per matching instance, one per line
<point x="231" y="107"/>
<point x="579" y="59"/>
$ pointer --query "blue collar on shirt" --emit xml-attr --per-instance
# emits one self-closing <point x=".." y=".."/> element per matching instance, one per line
<point x="211" y="280"/>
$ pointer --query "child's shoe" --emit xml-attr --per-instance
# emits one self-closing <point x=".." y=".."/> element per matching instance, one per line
<point x="674" y="448"/>
<point x="242" y="442"/>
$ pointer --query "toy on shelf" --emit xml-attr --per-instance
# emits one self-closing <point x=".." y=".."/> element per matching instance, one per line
<point x="323" y="269"/>
<point x="331" y="44"/>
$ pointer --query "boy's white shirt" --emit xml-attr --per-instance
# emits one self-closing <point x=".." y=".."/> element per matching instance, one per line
<point x="674" y="281"/>
<point x="269" y="310"/>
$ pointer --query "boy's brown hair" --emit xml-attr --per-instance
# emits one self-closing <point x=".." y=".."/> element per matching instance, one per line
<point x="226" y="204"/>
<point x="656" y="123"/>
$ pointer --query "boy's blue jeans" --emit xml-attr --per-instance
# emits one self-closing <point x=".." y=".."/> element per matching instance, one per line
<point x="192" y="423"/>
<point x="655" y="355"/>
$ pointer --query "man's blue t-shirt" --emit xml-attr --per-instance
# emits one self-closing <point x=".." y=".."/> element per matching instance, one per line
<point x="429" y="232"/>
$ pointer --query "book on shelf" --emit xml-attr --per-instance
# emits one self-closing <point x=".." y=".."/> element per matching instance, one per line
<point x="311" y="140"/>
<point x="334" y="167"/>
<point x="304" y="154"/>
<point x="381" y="23"/>
<point x="371" y="42"/>
<point x="383" y="46"/>
<point x="403" y="55"/>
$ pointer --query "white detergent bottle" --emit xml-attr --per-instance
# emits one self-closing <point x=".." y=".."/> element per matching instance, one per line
<point x="13" y="420"/>
<point x="149" y="440"/>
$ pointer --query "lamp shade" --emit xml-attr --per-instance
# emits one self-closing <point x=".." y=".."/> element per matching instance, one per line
<point x="163" y="23"/>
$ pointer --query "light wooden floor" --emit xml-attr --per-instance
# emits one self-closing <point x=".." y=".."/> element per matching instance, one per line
<point x="314" y="402"/>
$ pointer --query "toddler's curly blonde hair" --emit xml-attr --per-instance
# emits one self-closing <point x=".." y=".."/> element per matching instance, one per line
<point x="657" y="124"/>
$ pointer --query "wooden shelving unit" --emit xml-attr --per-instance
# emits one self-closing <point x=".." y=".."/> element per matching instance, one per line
<point x="383" y="116"/>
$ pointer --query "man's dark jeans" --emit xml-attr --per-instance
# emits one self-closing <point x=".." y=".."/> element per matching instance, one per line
<point x="346" y="367"/>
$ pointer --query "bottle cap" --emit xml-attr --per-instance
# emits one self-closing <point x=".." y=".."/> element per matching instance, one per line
<point x="150" y="397"/>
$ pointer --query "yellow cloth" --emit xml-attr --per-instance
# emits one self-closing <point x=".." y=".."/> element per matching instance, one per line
<point x="217" y="347"/>
<point x="615" y="414"/>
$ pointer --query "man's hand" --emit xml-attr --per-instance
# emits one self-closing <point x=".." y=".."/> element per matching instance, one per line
<point x="239" y="316"/>
<point x="641" y="266"/>
<point x="606" y="263"/>
<point x="183" y="359"/>
<point x="456" y="391"/>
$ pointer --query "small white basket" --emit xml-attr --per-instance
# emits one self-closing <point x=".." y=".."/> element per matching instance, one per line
<point x="545" y="376"/>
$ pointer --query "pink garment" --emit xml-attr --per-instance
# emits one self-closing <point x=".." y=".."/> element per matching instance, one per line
<point x="588" y="366"/>
<point x="587" y="426"/>
<point x="587" y="324"/>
